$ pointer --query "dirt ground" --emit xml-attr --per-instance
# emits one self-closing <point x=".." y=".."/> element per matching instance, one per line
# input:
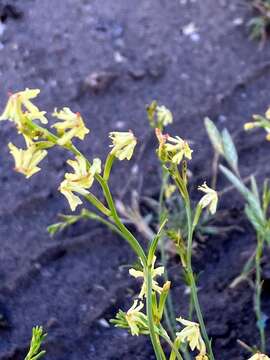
<point x="108" y="59"/>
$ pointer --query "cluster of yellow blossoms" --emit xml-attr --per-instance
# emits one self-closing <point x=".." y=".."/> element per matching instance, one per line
<point x="24" y="113"/>
<point x="173" y="150"/>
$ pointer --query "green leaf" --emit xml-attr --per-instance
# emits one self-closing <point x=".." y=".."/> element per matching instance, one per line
<point x="38" y="337"/>
<point x="250" y="198"/>
<point x="252" y="217"/>
<point x="214" y="135"/>
<point x="230" y="152"/>
<point x="68" y="220"/>
<point x="154" y="243"/>
<point x="254" y="188"/>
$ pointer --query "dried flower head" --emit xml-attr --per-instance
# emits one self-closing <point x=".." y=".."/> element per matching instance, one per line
<point x="72" y="125"/>
<point x="210" y="199"/>
<point x="79" y="181"/>
<point x="123" y="144"/>
<point x="26" y="161"/>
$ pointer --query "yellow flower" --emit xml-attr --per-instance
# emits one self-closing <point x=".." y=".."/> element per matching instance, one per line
<point x="259" y="356"/>
<point x="14" y="109"/>
<point x="72" y="125"/>
<point x="169" y="190"/>
<point x="26" y="161"/>
<point x="164" y="116"/>
<point x="191" y="333"/>
<point x="123" y="144"/>
<point x="172" y="149"/>
<point x="134" y="317"/>
<point x="79" y="181"/>
<point x="201" y="357"/>
<point x="141" y="274"/>
<point x="250" y="125"/>
<point x="209" y="199"/>
<point x="267" y="114"/>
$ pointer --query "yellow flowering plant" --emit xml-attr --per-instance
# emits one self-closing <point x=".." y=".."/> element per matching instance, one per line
<point x="174" y="152"/>
<point x="76" y="187"/>
<point x="150" y="313"/>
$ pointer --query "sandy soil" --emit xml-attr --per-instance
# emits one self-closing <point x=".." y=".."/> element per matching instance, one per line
<point x="108" y="60"/>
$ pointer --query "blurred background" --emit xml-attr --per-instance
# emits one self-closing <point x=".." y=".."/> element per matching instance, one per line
<point x="108" y="59"/>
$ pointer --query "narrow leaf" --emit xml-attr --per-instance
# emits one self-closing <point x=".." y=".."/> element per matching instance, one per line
<point x="230" y="152"/>
<point x="214" y="135"/>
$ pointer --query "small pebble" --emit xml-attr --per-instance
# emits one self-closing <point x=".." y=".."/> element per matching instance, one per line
<point x="104" y="323"/>
<point x="137" y="73"/>
<point x="99" y="80"/>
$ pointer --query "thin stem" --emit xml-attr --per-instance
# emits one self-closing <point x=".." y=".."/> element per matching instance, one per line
<point x="172" y="345"/>
<point x="127" y="234"/>
<point x="151" y="325"/>
<point x="98" y="204"/>
<point x="169" y="310"/>
<point x="192" y="283"/>
<point x="96" y="217"/>
<point x="258" y="292"/>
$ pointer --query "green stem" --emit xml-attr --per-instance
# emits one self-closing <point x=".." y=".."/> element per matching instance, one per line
<point x="96" y="217"/>
<point x="127" y="234"/>
<point x="169" y="310"/>
<point x="151" y="325"/>
<point x="98" y="204"/>
<point x="182" y="186"/>
<point x="258" y="292"/>
<point x="172" y="345"/>
<point x="192" y="282"/>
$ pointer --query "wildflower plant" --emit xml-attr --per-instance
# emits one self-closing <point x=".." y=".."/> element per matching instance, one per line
<point x="148" y="313"/>
<point x="256" y="209"/>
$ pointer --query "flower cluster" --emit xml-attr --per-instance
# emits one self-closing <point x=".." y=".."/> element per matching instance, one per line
<point x="192" y="335"/>
<point x="80" y="181"/>
<point x="141" y="274"/>
<point x="19" y="108"/>
<point x="172" y="149"/>
<point x="159" y="116"/>
<point x="23" y="112"/>
<point x="123" y="144"/>
<point x="71" y="125"/>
